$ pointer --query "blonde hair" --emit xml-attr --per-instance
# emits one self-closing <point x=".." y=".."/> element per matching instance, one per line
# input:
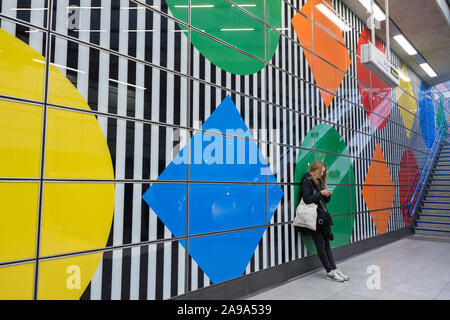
<point x="313" y="168"/>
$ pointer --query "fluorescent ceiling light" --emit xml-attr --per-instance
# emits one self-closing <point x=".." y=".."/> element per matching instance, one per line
<point x="403" y="76"/>
<point x="379" y="14"/>
<point x="243" y="5"/>
<point x="60" y="66"/>
<point x="88" y="30"/>
<point x="428" y="70"/>
<point x="138" y="8"/>
<point x="405" y="44"/>
<point x="76" y="8"/>
<point x="28" y="9"/>
<point x="196" y="6"/>
<point x="127" y="84"/>
<point x="333" y="17"/>
<point x="138" y="30"/>
<point x="238" y="29"/>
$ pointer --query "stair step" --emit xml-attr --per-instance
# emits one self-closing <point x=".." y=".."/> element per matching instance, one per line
<point x="443" y="193"/>
<point x="434" y="217"/>
<point x="437" y="225"/>
<point x="431" y="232"/>
<point x="435" y="211"/>
<point x="439" y="187"/>
<point x="436" y="204"/>
<point x="437" y="198"/>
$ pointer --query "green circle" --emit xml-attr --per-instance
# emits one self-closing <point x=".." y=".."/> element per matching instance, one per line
<point x="340" y="172"/>
<point x="228" y="23"/>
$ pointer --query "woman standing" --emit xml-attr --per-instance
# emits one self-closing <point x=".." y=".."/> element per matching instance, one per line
<point x="314" y="183"/>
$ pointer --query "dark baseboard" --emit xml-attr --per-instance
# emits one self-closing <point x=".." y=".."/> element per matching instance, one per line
<point x="242" y="287"/>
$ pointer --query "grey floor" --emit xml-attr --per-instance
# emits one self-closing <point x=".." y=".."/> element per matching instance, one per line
<point x="411" y="268"/>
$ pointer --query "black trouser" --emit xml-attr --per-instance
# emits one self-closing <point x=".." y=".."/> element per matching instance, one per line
<point x="321" y="239"/>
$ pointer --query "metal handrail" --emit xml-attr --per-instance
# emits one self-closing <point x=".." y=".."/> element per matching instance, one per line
<point x="427" y="168"/>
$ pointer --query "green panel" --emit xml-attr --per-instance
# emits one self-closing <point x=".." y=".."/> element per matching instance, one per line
<point x="339" y="171"/>
<point x="441" y="118"/>
<point x="219" y="18"/>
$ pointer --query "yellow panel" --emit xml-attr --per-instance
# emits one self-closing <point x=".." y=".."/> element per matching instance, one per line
<point x="406" y="101"/>
<point x="19" y="205"/>
<point x="17" y="282"/>
<point x="76" y="216"/>
<point x="21" y="75"/>
<point x="20" y="139"/>
<point x="66" y="279"/>
<point x="76" y="147"/>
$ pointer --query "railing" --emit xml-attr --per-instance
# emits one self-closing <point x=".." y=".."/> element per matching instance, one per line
<point x="426" y="168"/>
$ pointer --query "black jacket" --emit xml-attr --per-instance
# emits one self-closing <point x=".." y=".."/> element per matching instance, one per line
<point x="309" y="196"/>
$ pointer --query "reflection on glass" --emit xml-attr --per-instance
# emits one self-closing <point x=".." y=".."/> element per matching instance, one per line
<point x="34" y="12"/>
<point x="22" y="76"/>
<point x="219" y="207"/>
<point x="20" y="139"/>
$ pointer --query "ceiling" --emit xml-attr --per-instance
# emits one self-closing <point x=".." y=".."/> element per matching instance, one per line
<point x="424" y="24"/>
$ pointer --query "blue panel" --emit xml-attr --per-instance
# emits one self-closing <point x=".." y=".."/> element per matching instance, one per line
<point x="168" y="200"/>
<point x="219" y="207"/>
<point x="225" y="256"/>
<point x="426" y="113"/>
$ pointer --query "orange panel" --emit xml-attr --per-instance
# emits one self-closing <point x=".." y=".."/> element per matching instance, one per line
<point x="382" y="195"/>
<point x="323" y="45"/>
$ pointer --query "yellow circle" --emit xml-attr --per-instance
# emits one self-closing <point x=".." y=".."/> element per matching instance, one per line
<point x="75" y="216"/>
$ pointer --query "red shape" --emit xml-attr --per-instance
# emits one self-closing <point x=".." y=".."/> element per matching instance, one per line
<point x="408" y="177"/>
<point x="380" y="93"/>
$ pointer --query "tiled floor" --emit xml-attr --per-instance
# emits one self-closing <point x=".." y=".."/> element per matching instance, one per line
<point x="411" y="268"/>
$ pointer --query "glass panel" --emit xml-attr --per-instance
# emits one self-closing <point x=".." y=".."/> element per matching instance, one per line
<point x="230" y="59"/>
<point x="235" y="27"/>
<point x="19" y="208"/>
<point x="16" y="282"/>
<point x="116" y="86"/>
<point x="20" y="139"/>
<point x="225" y="256"/>
<point x="123" y="26"/>
<point x="22" y="64"/>
<point x="219" y="207"/>
<point x="31" y="11"/>
<point x="76" y="217"/>
<point x="327" y="77"/>
<point x="76" y="147"/>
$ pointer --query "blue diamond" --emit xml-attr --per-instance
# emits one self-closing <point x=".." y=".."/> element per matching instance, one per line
<point x="219" y="206"/>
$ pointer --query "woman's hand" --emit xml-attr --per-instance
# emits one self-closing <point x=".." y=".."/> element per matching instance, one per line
<point x="326" y="192"/>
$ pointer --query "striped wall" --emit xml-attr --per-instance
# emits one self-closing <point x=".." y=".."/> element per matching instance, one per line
<point x="151" y="90"/>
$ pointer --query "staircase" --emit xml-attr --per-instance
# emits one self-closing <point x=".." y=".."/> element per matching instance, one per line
<point x="433" y="219"/>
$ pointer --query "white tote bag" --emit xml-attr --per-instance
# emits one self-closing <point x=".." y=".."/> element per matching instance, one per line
<point x="306" y="215"/>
